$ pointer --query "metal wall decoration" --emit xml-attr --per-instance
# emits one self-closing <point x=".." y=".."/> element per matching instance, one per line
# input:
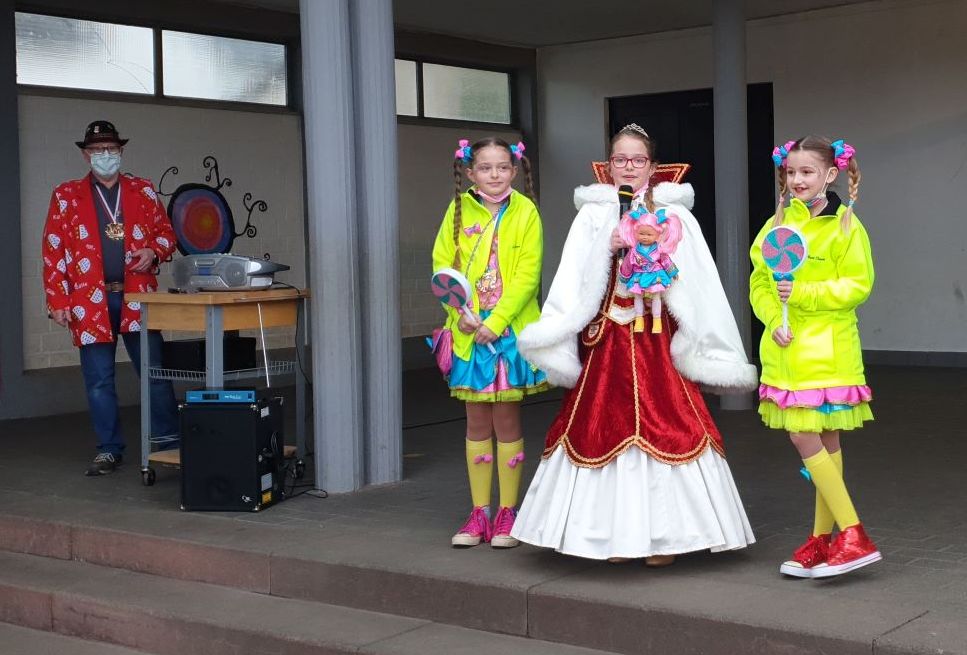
<point x="200" y="215"/>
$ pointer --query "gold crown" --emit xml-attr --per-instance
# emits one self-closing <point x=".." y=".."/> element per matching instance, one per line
<point x="634" y="127"/>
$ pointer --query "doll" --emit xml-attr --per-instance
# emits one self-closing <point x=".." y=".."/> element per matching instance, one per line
<point x="647" y="268"/>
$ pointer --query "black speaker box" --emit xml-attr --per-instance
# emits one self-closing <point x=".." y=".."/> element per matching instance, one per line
<point x="231" y="455"/>
<point x="189" y="354"/>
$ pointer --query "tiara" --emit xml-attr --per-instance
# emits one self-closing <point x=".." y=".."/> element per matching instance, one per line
<point x="634" y="127"/>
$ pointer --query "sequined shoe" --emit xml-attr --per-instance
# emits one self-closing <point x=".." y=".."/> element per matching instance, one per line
<point x="851" y="550"/>
<point x="807" y="557"/>
<point x="503" y="524"/>
<point x="474" y="531"/>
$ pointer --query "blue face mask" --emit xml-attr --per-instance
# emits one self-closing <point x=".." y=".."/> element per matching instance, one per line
<point x="105" y="164"/>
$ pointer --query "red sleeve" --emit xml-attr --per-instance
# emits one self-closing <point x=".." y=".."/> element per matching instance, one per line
<point x="54" y="253"/>
<point x="163" y="240"/>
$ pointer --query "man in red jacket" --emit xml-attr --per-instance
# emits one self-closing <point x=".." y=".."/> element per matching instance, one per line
<point x="105" y="235"/>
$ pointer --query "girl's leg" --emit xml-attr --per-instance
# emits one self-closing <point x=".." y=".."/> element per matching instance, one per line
<point x="656" y="326"/>
<point x="826" y="476"/>
<point x="510" y="451"/>
<point x="823" y="524"/>
<point x="480" y="470"/>
<point x="510" y="468"/>
<point x="480" y="451"/>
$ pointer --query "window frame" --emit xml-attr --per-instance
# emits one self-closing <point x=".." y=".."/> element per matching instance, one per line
<point x="422" y="119"/>
<point x="158" y="96"/>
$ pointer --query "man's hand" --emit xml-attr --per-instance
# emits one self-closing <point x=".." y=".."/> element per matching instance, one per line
<point x="60" y="317"/>
<point x="142" y="260"/>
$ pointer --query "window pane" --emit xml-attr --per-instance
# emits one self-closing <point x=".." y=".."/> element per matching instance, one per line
<point x="465" y="94"/>
<point x="406" y="87"/>
<point x="218" y="68"/>
<point x="83" y="54"/>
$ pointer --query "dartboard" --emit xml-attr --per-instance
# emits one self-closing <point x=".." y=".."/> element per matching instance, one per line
<point x="202" y="220"/>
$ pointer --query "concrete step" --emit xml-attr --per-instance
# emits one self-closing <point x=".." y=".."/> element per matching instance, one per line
<point x="17" y="640"/>
<point x="175" y="617"/>
<point x="529" y="593"/>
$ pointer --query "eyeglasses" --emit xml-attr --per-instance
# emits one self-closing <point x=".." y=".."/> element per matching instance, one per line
<point x="101" y="150"/>
<point x="620" y="161"/>
<point x="487" y="169"/>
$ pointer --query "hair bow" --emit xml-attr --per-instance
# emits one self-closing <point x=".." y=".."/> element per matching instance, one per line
<point x="780" y="153"/>
<point x="842" y="153"/>
<point x="518" y="150"/>
<point x="483" y="459"/>
<point x="463" y="152"/>
<point x="660" y="216"/>
<point x="635" y="214"/>
<point x="515" y="460"/>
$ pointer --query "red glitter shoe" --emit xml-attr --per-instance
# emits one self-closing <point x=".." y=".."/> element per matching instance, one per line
<point x="851" y="550"/>
<point x="807" y="557"/>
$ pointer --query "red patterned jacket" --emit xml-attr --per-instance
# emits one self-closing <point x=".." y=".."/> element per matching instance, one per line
<point x="73" y="264"/>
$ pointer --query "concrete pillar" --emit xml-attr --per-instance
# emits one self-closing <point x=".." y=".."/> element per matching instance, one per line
<point x="378" y="215"/>
<point x="731" y="169"/>
<point x="11" y="262"/>
<point x="333" y="244"/>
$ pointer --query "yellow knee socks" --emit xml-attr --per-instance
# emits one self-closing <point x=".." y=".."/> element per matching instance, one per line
<point x="824" y="517"/>
<point x="510" y="467"/>
<point x="829" y="483"/>
<point x="480" y="470"/>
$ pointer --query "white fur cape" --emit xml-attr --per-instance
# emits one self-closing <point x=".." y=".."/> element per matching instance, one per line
<point x="706" y="348"/>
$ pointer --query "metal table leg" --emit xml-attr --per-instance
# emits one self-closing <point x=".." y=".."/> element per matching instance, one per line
<point x="300" y="381"/>
<point x="145" y="383"/>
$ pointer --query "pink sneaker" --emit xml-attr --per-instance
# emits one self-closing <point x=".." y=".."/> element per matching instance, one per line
<point x="475" y="530"/>
<point x="503" y="524"/>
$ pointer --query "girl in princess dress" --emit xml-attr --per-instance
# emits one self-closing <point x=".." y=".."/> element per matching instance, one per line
<point x="633" y="465"/>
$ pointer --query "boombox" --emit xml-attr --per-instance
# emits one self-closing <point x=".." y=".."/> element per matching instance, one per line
<point x="231" y="452"/>
<point x="224" y="272"/>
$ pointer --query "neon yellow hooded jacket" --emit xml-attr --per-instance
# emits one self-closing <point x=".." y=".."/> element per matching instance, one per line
<point x="520" y="251"/>
<point x="836" y="278"/>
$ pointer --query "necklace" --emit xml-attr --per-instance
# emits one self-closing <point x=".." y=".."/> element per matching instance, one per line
<point x="113" y="230"/>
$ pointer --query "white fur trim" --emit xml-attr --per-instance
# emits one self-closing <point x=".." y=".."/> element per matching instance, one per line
<point x="670" y="193"/>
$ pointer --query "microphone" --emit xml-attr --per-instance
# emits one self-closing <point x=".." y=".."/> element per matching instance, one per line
<point x="625" y="196"/>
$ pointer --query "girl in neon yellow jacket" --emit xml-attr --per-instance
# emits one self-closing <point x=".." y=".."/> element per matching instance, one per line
<point x="812" y="383"/>
<point x="492" y="234"/>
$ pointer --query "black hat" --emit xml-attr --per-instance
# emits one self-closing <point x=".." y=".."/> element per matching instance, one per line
<point x="100" y="132"/>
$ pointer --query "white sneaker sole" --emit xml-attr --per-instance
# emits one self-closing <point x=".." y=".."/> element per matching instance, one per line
<point x="795" y="570"/>
<point x="504" y="541"/>
<point x="828" y="571"/>
<point x="465" y="540"/>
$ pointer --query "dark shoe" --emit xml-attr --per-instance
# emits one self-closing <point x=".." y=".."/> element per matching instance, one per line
<point x="103" y="464"/>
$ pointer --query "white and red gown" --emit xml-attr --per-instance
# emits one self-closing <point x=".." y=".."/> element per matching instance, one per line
<point x="633" y="464"/>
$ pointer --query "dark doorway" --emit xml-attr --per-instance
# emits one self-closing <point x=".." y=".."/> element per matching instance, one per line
<point x="681" y="123"/>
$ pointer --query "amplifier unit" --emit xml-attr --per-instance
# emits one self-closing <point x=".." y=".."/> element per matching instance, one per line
<point x="231" y="455"/>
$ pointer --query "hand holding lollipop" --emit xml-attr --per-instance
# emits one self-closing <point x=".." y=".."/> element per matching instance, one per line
<point x="453" y="289"/>
<point x="784" y="251"/>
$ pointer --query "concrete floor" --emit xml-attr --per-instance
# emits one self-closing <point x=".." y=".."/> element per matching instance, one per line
<point x="905" y="471"/>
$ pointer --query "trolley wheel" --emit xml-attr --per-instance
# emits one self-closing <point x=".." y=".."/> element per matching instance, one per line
<point x="300" y="469"/>
<point x="147" y="477"/>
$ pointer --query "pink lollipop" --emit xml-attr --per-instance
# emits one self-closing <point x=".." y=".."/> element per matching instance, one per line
<point x="453" y="289"/>
<point x="784" y="251"/>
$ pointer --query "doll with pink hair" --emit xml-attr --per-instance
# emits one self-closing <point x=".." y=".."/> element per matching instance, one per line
<point x="647" y="268"/>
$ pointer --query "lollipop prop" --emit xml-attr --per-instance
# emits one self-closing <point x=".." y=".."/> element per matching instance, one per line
<point x="784" y="251"/>
<point x="452" y="289"/>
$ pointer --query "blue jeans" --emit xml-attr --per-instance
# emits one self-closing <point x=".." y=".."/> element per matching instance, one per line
<point x="97" y="365"/>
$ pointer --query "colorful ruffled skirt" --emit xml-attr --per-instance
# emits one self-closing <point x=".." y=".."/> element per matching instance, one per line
<point x="504" y="376"/>
<point x="815" y="410"/>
